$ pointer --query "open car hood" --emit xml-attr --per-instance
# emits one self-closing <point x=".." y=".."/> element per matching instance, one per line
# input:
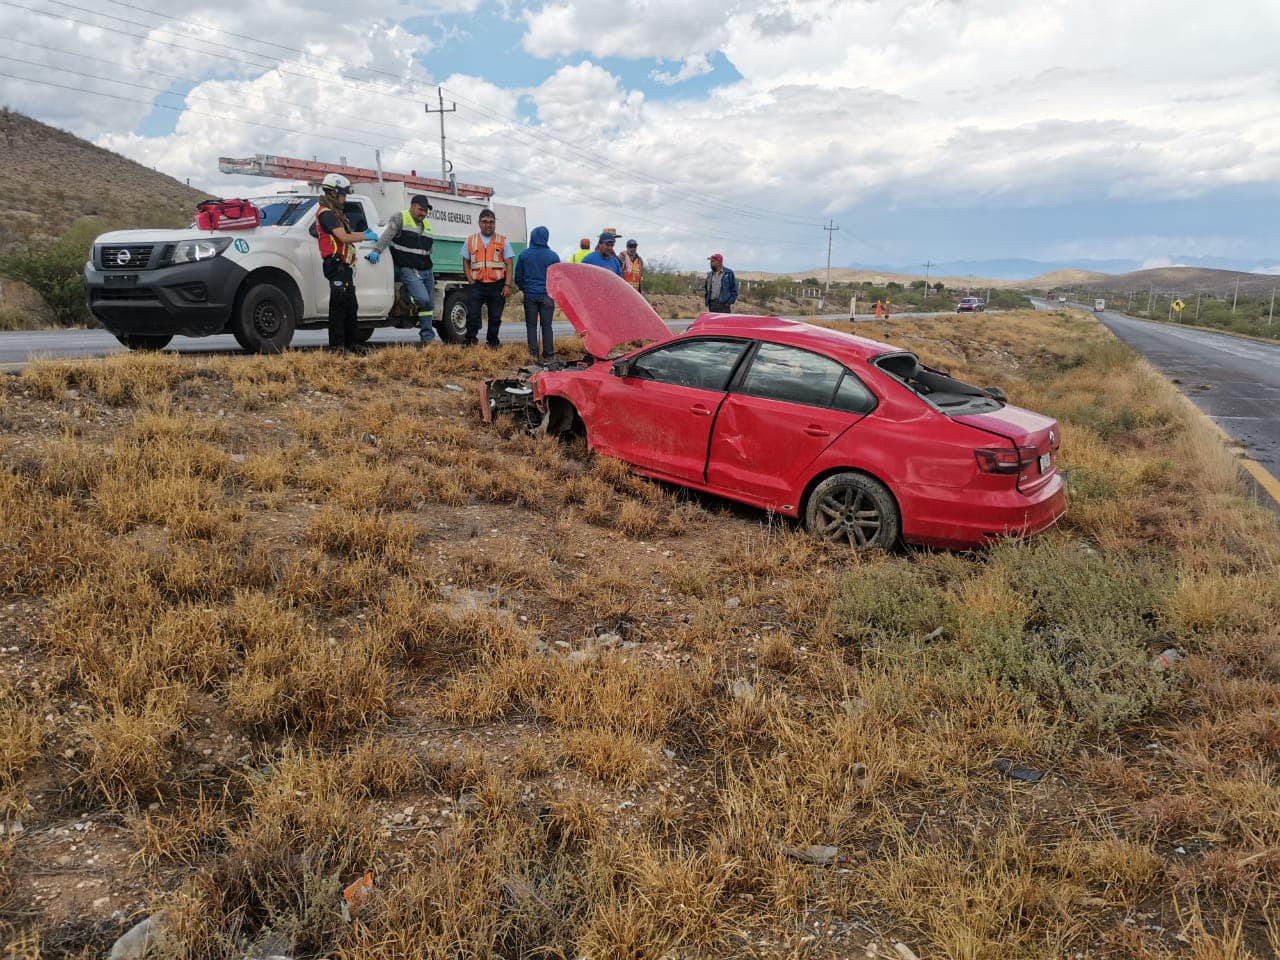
<point x="602" y="307"/>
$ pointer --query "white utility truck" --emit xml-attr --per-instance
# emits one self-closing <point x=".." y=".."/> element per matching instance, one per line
<point x="261" y="284"/>
<point x="1099" y="305"/>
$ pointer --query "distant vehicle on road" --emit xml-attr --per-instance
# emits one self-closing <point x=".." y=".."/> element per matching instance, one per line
<point x="859" y="440"/>
<point x="1099" y="305"/>
<point x="1062" y="299"/>
<point x="971" y="305"/>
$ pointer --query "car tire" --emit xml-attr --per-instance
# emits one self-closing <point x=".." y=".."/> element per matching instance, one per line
<point x="364" y="334"/>
<point x="264" y="319"/>
<point x="145" y="341"/>
<point x="451" y="323"/>
<point x="855" y="509"/>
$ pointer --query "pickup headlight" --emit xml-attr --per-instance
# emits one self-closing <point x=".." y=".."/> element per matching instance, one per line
<point x="192" y="251"/>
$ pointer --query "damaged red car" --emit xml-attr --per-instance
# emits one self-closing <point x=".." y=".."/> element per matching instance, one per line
<point x="857" y="439"/>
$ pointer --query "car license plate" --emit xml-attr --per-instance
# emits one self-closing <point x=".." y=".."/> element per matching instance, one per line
<point x="1044" y="462"/>
<point x="121" y="279"/>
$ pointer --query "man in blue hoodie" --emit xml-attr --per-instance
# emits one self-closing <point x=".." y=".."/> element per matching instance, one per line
<point x="531" y="278"/>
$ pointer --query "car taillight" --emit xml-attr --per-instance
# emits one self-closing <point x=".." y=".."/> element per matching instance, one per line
<point x="1005" y="459"/>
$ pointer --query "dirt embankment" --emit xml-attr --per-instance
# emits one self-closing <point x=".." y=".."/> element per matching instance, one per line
<point x="269" y="623"/>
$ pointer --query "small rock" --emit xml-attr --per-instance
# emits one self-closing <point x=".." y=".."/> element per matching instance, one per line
<point x="13" y="828"/>
<point x="468" y="805"/>
<point x="454" y="387"/>
<point x="742" y="690"/>
<point x="733" y="603"/>
<point x="369" y="438"/>
<point x="819" y="854"/>
<point x="138" y="941"/>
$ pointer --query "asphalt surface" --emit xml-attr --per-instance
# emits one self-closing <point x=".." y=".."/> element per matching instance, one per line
<point x="1235" y="381"/>
<point x="19" y="348"/>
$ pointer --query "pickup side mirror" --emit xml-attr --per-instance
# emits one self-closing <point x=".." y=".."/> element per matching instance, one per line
<point x="621" y="368"/>
<point x="995" y="393"/>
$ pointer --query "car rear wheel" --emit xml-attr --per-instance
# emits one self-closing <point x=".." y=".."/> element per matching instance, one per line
<point x="452" y="323"/>
<point x="145" y="341"/>
<point x="854" y="509"/>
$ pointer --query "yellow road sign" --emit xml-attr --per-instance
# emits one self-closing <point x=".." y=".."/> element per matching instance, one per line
<point x="1178" y="305"/>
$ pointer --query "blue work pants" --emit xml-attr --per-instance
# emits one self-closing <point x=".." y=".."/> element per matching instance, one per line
<point x="538" y="312"/>
<point x="420" y="286"/>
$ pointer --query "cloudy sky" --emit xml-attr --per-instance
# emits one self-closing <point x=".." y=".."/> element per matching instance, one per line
<point x="927" y="130"/>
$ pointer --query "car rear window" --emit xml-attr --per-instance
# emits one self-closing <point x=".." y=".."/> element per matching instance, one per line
<point x="797" y="376"/>
<point x="704" y="364"/>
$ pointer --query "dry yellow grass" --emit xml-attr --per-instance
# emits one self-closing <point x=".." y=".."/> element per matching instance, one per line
<point x="288" y="598"/>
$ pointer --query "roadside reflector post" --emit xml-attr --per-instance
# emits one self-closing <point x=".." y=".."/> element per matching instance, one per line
<point x="853" y="308"/>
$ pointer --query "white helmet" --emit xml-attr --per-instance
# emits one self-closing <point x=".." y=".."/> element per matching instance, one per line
<point x="336" y="182"/>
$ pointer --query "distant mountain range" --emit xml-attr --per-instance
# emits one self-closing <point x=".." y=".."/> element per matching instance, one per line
<point x="1024" y="269"/>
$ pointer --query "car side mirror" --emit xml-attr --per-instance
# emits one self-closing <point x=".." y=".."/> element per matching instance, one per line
<point x="995" y="393"/>
<point x="621" y="368"/>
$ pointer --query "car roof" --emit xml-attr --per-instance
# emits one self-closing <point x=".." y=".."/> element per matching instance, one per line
<point x="795" y="333"/>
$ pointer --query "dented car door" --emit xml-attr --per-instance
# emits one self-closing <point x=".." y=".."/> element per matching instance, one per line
<point x="787" y="408"/>
<point x="657" y="410"/>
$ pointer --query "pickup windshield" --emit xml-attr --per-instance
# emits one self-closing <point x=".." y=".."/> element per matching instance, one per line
<point x="283" y="211"/>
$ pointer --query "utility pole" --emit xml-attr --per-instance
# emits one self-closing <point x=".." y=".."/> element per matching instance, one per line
<point x="927" y="265"/>
<point x="1272" y="315"/>
<point x="1151" y="299"/>
<point x="831" y="229"/>
<point x="1198" y="305"/>
<point x="444" y="164"/>
<point x="1236" y="296"/>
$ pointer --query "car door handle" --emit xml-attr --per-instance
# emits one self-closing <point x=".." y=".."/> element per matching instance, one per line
<point x="698" y="410"/>
<point x="814" y="430"/>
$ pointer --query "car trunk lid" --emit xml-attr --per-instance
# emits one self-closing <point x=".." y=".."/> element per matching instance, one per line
<point x="1039" y="434"/>
<point x="604" y="309"/>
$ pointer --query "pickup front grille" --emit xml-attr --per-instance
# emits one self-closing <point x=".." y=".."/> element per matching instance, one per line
<point x="127" y="258"/>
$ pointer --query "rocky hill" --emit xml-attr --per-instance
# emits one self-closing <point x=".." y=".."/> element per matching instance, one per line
<point x="1187" y="280"/>
<point x="1064" y="278"/>
<point x="55" y="178"/>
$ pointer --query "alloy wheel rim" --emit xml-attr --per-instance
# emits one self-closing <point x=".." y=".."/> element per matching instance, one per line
<point x="848" y="514"/>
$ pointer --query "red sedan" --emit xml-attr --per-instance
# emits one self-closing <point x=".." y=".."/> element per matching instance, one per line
<point x="857" y="438"/>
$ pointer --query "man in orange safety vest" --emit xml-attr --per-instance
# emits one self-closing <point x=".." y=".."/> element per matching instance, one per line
<point x="486" y="261"/>
<point x="633" y="266"/>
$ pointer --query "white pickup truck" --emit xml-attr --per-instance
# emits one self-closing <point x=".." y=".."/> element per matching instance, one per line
<point x="261" y="284"/>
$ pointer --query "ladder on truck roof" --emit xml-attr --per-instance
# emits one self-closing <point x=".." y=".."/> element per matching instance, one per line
<point x="312" y="171"/>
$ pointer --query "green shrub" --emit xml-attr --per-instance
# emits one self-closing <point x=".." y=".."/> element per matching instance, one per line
<point x="1076" y="637"/>
<point x="55" y="272"/>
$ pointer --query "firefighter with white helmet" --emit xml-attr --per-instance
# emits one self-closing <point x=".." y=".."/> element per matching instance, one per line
<point x="338" y="254"/>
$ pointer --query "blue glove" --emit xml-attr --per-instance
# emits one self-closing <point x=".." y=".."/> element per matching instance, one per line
<point x="370" y="235"/>
<point x="372" y="257"/>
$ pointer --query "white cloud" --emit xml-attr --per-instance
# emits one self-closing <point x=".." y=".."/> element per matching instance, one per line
<point x="985" y="104"/>
<point x="694" y="65"/>
<point x="667" y="29"/>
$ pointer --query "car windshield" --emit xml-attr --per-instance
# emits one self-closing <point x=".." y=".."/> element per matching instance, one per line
<point x="280" y="211"/>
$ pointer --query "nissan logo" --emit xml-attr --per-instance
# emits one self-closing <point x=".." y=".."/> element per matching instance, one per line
<point x="123" y="256"/>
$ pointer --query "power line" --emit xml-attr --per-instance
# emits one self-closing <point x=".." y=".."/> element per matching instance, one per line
<point x="594" y="162"/>
<point x="524" y="176"/>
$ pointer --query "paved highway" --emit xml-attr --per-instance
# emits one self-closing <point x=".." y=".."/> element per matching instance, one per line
<point x="1233" y="380"/>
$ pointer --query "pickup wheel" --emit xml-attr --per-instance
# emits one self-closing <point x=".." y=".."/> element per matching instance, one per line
<point x="853" y="509"/>
<point x="364" y="334"/>
<point x="451" y="324"/>
<point x="145" y="341"/>
<point x="264" y="319"/>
